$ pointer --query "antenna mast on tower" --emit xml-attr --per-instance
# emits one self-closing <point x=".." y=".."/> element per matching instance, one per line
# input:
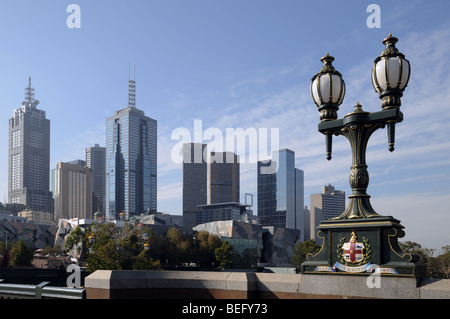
<point x="29" y="92"/>
<point x="131" y="88"/>
<point x="29" y="95"/>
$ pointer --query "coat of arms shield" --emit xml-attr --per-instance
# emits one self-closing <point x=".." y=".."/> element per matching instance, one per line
<point x="353" y="252"/>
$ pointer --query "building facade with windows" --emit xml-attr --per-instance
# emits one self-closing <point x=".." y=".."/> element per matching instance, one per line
<point x="73" y="191"/>
<point x="326" y="205"/>
<point x="223" y="211"/>
<point x="224" y="177"/>
<point x="195" y="181"/>
<point x="96" y="161"/>
<point x="131" y="162"/>
<point x="29" y="156"/>
<point x="281" y="192"/>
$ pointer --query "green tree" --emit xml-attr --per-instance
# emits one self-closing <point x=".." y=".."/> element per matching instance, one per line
<point x="104" y="256"/>
<point x="301" y="250"/>
<point x="439" y="267"/>
<point x="21" y="254"/>
<point x="173" y="238"/>
<point x="121" y="248"/>
<point x="204" y="248"/>
<point x="223" y="255"/>
<point x="78" y="240"/>
<point x="246" y="259"/>
<point x="145" y="262"/>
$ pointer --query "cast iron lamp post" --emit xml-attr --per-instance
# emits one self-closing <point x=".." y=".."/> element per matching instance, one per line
<point x="390" y="75"/>
<point x="360" y="240"/>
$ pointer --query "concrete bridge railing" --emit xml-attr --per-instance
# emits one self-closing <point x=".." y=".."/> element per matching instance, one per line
<point x="108" y="284"/>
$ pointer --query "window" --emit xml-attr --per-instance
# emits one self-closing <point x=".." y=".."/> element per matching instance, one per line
<point x="15" y="171"/>
<point x="15" y="142"/>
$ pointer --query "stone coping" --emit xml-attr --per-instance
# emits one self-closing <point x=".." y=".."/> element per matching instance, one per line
<point x="254" y="285"/>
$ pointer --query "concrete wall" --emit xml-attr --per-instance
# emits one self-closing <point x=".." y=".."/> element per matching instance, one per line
<point x="107" y="284"/>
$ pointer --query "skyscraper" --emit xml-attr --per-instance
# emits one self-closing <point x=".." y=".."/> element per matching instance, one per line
<point x="329" y="204"/>
<point x="96" y="161"/>
<point x="281" y="194"/>
<point x="131" y="161"/>
<point x="73" y="192"/>
<point x="29" y="156"/>
<point x="224" y="178"/>
<point x="194" y="181"/>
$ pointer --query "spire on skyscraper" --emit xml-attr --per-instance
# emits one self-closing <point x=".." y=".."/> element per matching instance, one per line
<point x="131" y="88"/>
<point x="29" y="94"/>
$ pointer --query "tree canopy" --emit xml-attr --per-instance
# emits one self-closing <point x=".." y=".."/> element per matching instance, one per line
<point x="106" y="246"/>
<point x="301" y="250"/>
<point x="21" y="254"/>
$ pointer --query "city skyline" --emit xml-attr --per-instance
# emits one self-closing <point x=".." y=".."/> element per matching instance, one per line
<point x="240" y="65"/>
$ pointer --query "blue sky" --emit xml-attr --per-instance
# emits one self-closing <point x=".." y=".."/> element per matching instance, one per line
<point x="240" y="64"/>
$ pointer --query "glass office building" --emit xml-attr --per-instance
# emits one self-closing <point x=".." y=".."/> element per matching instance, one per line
<point x="96" y="160"/>
<point x="131" y="152"/>
<point x="281" y="193"/>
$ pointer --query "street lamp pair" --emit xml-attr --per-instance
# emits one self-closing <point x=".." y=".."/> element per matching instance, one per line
<point x="360" y="239"/>
<point x="390" y="76"/>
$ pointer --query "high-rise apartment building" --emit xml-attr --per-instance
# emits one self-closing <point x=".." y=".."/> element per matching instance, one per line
<point x="195" y="177"/>
<point x="329" y="204"/>
<point x="73" y="192"/>
<point x="131" y="161"/>
<point x="281" y="192"/>
<point x="224" y="178"/>
<point x="96" y="161"/>
<point x="29" y="156"/>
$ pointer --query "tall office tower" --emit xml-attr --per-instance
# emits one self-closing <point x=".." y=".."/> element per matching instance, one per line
<point x="281" y="193"/>
<point x="194" y="181"/>
<point x="96" y="161"/>
<point x="224" y="178"/>
<point x="73" y="191"/>
<point x="29" y="156"/>
<point x="329" y="204"/>
<point x="131" y="161"/>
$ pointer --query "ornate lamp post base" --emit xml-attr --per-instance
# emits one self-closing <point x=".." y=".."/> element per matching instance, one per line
<point x="362" y="247"/>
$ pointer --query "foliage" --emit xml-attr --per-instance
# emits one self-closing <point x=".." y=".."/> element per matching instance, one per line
<point x="21" y="254"/>
<point x="51" y="250"/>
<point x="111" y="247"/>
<point x="245" y="260"/>
<point x="205" y="247"/>
<point x="121" y="248"/>
<point x="77" y="240"/>
<point x="301" y="250"/>
<point x="436" y="267"/>
<point x="145" y="262"/>
<point x="223" y="255"/>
